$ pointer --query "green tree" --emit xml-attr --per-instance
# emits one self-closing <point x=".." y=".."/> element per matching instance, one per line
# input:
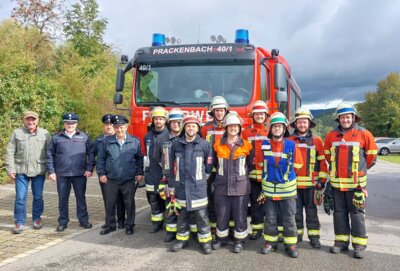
<point x="84" y="29"/>
<point x="381" y="110"/>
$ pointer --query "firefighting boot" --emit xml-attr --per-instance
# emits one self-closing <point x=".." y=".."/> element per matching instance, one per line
<point x="255" y="235"/>
<point x="359" y="251"/>
<point x="178" y="245"/>
<point x="219" y="243"/>
<point x="314" y="242"/>
<point x="299" y="238"/>
<point x="156" y="227"/>
<point x="268" y="248"/>
<point x="238" y="247"/>
<point x="206" y="248"/>
<point x="169" y="237"/>
<point x="291" y="250"/>
<point x="339" y="247"/>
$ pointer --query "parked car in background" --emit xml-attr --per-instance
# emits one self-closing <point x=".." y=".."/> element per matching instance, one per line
<point x="388" y="145"/>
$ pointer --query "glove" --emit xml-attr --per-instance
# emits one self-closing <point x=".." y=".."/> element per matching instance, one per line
<point x="261" y="198"/>
<point x="163" y="188"/>
<point x="318" y="197"/>
<point x="359" y="198"/>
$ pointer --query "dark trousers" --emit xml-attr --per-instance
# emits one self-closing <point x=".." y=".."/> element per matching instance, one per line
<point x="120" y="205"/>
<point x="157" y="206"/>
<point x="287" y="210"/>
<point x="257" y="210"/>
<point x="170" y="220"/>
<point x="202" y="224"/>
<point x="235" y="205"/>
<point x="343" y="213"/>
<point x="64" y="189"/>
<point x="112" y="191"/>
<point x="305" y="200"/>
<point x="210" y="194"/>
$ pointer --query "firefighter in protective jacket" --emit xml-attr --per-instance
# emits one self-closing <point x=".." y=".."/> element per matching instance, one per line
<point x="281" y="158"/>
<point x="213" y="131"/>
<point x="233" y="157"/>
<point x="350" y="151"/>
<point x="191" y="160"/>
<point x="311" y="177"/>
<point x="153" y="170"/>
<point x="256" y="134"/>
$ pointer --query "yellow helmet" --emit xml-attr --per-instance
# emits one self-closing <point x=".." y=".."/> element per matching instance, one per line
<point x="159" y="111"/>
<point x="303" y="113"/>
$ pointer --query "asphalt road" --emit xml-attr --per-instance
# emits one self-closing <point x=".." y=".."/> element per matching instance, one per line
<point x="146" y="251"/>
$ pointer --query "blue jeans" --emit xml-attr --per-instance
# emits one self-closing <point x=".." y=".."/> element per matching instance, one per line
<point x="21" y="191"/>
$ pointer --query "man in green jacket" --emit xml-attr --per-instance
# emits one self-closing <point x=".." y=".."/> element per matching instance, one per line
<point x="26" y="162"/>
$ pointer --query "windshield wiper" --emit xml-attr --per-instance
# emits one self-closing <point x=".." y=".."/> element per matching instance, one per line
<point x="161" y="103"/>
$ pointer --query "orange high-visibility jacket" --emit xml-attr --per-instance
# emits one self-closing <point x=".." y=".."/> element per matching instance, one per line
<point x="314" y="165"/>
<point x="256" y="134"/>
<point x="349" y="155"/>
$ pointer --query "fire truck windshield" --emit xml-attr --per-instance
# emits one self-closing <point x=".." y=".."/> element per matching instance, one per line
<point x="194" y="84"/>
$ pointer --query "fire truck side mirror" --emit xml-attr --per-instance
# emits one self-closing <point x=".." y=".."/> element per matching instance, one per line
<point x="280" y="83"/>
<point x="120" y="80"/>
<point x="280" y="76"/>
<point x="118" y="98"/>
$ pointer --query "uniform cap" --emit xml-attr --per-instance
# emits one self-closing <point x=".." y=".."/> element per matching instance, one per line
<point x="106" y="118"/>
<point x="119" y="120"/>
<point x="70" y="117"/>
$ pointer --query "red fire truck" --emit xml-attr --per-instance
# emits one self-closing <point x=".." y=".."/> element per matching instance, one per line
<point x="188" y="76"/>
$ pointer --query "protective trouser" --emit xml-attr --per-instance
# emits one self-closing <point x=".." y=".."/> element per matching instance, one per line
<point x="120" y="205"/>
<point x="235" y="205"/>
<point x="257" y="210"/>
<point x="287" y="210"/>
<point x="157" y="206"/>
<point x="343" y="207"/>
<point x="305" y="200"/>
<point x="170" y="220"/>
<point x="112" y="191"/>
<point x="64" y="189"/>
<point x="202" y="224"/>
<point x="210" y="194"/>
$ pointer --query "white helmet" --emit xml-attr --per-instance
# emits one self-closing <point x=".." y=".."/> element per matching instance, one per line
<point x="303" y="113"/>
<point x="175" y="114"/>
<point x="346" y="108"/>
<point x="233" y="118"/>
<point x="259" y="107"/>
<point x="217" y="102"/>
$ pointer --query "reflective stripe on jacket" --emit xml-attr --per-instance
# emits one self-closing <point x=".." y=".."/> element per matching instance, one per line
<point x="279" y="177"/>
<point x="256" y="134"/>
<point x="349" y="155"/>
<point x="315" y="167"/>
<point x="232" y="166"/>
<point x="191" y="163"/>
<point x="153" y="172"/>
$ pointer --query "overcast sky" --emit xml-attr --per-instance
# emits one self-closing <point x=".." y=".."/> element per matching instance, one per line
<point x="337" y="49"/>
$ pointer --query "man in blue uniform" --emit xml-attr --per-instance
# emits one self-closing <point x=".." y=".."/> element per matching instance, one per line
<point x="119" y="164"/>
<point x="109" y="131"/>
<point x="70" y="161"/>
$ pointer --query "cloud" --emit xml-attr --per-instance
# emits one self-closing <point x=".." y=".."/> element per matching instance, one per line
<point x="337" y="49"/>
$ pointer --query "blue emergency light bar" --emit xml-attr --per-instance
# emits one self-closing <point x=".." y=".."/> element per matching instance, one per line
<point x="242" y="36"/>
<point x="158" y="39"/>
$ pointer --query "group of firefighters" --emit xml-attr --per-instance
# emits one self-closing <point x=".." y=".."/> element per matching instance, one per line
<point x="200" y="179"/>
